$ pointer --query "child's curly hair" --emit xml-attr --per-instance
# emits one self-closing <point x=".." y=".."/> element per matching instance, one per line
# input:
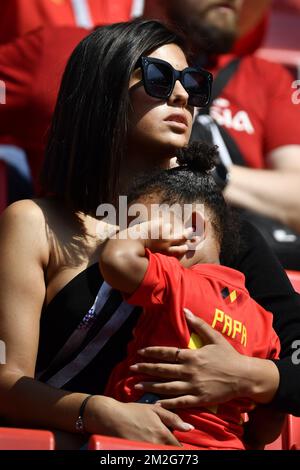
<point x="192" y="182"/>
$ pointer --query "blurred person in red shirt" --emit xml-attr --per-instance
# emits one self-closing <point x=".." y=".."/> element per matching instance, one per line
<point x="255" y="108"/>
<point x="21" y="16"/>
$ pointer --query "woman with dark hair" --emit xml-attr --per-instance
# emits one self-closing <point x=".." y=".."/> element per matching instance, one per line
<point x="125" y="105"/>
<point x="106" y="128"/>
<point x="93" y="130"/>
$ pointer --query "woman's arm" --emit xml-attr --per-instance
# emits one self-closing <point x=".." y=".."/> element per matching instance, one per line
<point x="24" y="401"/>
<point x="269" y="285"/>
<point x="204" y="377"/>
<point x="24" y="255"/>
<point x="34" y="404"/>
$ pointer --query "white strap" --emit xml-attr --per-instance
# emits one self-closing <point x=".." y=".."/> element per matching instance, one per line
<point x="92" y="349"/>
<point x="78" y="336"/>
<point x="82" y="13"/>
<point x="137" y="8"/>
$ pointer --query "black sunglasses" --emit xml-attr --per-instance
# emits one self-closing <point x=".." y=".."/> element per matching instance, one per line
<point x="159" y="78"/>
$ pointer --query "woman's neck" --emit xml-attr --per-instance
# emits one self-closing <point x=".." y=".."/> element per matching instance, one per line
<point x="139" y="162"/>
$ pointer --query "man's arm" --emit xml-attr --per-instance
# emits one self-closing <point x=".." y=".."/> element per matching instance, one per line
<point x="274" y="192"/>
<point x="265" y="423"/>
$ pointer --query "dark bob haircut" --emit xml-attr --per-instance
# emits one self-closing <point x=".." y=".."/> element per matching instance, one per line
<point x="88" y="136"/>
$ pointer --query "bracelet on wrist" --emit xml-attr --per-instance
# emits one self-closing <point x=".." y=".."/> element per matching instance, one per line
<point x="79" y="424"/>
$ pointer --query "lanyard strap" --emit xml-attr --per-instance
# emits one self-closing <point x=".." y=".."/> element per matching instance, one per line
<point x="74" y="367"/>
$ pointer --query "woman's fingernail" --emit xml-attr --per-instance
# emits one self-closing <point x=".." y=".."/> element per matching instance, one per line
<point x="139" y="386"/>
<point x="134" y="367"/>
<point x="187" y="427"/>
<point x="141" y="351"/>
<point x="188" y="314"/>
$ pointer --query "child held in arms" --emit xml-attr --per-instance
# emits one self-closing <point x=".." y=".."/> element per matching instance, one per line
<point x="166" y="267"/>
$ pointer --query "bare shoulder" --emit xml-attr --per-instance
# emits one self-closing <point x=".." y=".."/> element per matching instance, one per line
<point x="23" y="225"/>
<point x="45" y="231"/>
<point x="26" y="216"/>
<point x="26" y="205"/>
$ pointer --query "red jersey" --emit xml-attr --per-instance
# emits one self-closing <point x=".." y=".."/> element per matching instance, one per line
<point x="218" y="295"/>
<point x="18" y="17"/>
<point x="257" y="110"/>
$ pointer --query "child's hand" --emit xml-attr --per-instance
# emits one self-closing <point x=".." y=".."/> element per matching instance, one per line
<point x="168" y="238"/>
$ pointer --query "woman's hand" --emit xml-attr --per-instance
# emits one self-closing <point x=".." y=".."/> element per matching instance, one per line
<point x="133" y="421"/>
<point x="213" y="374"/>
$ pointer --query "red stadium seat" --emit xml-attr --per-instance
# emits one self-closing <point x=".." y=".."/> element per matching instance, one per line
<point x="98" y="442"/>
<point x="25" y="439"/>
<point x="3" y="186"/>
<point x="292" y="434"/>
<point x="276" y="445"/>
<point x="294" y="277"/>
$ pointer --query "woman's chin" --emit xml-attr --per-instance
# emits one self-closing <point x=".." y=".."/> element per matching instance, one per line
<point x="163" y="147"/>
<point x="176" y="142"/>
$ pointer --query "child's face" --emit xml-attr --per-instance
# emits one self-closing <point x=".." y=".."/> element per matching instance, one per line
<point x="180" y="217"/>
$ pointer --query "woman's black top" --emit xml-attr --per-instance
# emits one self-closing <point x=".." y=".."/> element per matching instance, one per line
<point x="265" y="280"/>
